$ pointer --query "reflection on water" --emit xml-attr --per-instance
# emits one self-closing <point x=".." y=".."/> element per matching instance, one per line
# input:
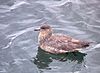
<point x="43" y="59"/>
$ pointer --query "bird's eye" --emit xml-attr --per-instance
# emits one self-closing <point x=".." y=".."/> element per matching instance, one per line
<point x="43" y="28"/>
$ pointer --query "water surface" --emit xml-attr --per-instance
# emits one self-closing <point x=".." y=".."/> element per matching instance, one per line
<point x="19" y="52"/>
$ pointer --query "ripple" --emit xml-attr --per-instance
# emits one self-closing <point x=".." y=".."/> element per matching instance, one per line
<point x="3" y="70"/>
<point x="19" y="61"/>
<point x="18" y="18"/>
<point x="3" y="26"/>
<point x="90" y="48"/>
<point x="15" y="35"/>
<point x="58" y="3"/>
<point x="17" y="4"/>
<point x="28" y="21"/>
<point x="4" y="8"/>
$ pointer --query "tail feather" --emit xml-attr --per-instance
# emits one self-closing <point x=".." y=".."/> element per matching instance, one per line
<point x="85" y="43"/>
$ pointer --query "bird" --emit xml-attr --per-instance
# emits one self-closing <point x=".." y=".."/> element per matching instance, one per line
<point x="58" y="43"/>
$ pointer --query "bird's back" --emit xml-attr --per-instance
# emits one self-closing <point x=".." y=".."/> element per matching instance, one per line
<point x="64" y="43"/>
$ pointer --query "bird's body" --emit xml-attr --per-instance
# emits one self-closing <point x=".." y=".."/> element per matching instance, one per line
<point x="58" y="43"/>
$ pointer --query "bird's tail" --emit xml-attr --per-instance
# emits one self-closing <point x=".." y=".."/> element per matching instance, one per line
<point x="85" y="43"/>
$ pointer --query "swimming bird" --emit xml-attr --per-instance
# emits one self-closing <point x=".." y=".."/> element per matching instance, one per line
<point x="58" y="43"/>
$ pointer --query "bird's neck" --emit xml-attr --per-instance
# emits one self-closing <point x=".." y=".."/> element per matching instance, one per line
<point x="43" y="36"/>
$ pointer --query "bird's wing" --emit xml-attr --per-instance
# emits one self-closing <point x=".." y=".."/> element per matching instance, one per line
<point x="66" y="43"/>
<point x="60" y="45"/>
<point x="80" y="43"/>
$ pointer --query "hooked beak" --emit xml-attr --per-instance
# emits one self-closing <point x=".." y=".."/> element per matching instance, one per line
<point x="37" y="29"/>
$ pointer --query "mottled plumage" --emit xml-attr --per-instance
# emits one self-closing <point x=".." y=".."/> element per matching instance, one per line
<point x="58" y="43"/>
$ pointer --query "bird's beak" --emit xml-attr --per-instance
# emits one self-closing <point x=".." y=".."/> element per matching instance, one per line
<point x="37" y="29"/>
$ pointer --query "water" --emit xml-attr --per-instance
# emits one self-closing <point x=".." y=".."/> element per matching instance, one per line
<point x="19" y="52"/>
